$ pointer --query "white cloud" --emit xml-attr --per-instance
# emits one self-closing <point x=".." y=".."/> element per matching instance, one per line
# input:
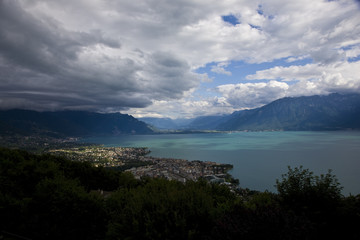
<point x="291" y="73"/>
<point x="250" y="95"/>
<point x="184" y="108"/>
<point x="220" y="68"/>
<point x="353" y="52"/>
<point x="344" y="75"/>
<point x="294" y="59"/>
<point x="310" y="79"/>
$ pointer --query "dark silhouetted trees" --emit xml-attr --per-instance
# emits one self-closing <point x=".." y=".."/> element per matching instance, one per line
<point x="47" y="197"/>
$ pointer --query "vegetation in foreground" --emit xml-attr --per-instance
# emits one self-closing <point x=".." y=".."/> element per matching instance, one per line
<point x="49" y="197"/>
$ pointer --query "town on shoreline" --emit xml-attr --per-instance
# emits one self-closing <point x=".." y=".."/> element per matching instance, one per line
<point x="130" y="159"/>
<point x="137" y="161"/>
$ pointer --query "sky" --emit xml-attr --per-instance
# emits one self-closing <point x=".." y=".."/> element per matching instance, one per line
<point x="177" y="59"/>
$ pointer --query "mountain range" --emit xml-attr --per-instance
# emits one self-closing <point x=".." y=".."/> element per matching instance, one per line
<point x="327" y="112"/>
<point x="69" y="123"/>
<point x="320" y="112"/>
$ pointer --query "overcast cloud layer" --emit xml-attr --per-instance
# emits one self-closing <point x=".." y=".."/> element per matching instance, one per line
<point x="142" y="57"/>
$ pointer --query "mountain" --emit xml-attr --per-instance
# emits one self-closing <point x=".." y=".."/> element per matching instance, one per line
<point x="325" y="112"/>
<point x="331" y="112"/>
<point x="207" y="122"/>
<point x="69" y="123"/>
<point x="198" y="123"/>
<point x="160" y="123"/>
<point x="167" y="123"/>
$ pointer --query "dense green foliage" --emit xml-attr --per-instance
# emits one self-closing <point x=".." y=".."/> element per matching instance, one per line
<point x="47" y="197"/>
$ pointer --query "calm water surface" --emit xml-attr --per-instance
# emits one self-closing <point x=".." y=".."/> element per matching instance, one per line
<point x="259" y="158"/>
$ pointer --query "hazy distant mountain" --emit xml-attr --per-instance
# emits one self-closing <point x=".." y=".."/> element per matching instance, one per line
<point x="331" y="112"/>
<point x="167" y="123"/>
<point x="69" y="123"/>
<point x="207" y="122"/>
<point x="198" y="123"/>
<point x="160" y="123"/>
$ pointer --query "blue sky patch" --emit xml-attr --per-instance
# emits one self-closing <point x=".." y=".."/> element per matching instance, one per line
<point x="230" y="19"/>
<point x="240" y="69"/>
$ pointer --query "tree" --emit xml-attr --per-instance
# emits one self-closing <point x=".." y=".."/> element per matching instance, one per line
<point x="300" y="188"/>
<point x="62" y="209"/>
<point x="318" y="198"/>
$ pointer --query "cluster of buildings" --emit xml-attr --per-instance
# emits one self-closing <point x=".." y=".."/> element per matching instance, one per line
<point x="102" y="156"/>
<point x="135" y="160"/>
<point x="38" y="144"/>
<point x="179" y="169"/>
<point x="168" y="168"/>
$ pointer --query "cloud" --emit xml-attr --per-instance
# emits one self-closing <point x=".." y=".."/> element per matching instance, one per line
<point x="310" y="79"/>
<point x="298" y="58"/>
<point x="333" y="77"/>
<point x="46" y="66"/>
<point x="41" y="44"/>
<point x="250" y="95"/>
<point x="353" y="52"/>
<point x="184" y="108"/>
<point x="220" y="68"/>
<point x="291" y="73"/>
<point x="115" y="55"/>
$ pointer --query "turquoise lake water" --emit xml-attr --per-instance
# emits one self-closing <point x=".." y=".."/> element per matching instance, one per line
<point x="259" y="158"/>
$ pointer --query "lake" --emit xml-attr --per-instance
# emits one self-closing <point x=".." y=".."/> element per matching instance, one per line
<point x="259" y="158"/>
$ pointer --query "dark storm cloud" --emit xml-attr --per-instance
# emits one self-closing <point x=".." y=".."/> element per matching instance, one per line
<point x="171" y="74"/>
<point x="45" y="66"/>
<point x="40" y="44"/>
